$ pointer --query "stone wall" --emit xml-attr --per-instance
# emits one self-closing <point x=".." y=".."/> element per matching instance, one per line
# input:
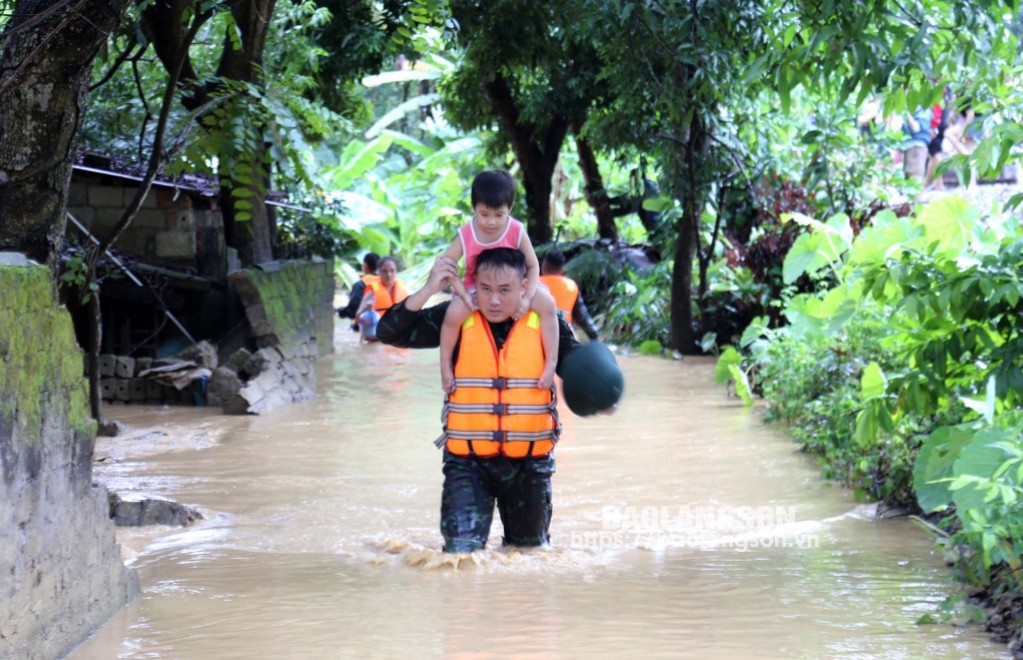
<point x="289" y="302"/>
<point x="290" y="309"/>
<point x="61" y="567"/>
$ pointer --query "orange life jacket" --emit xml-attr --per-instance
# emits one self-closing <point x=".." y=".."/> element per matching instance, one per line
<point x="565" y="292"/>
<point x="369" y="278"/>
<point x="496" y="407"/>
<point x="384" y="298"/>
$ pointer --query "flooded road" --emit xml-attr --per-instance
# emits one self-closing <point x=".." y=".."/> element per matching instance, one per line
<point x="682" y="527"/>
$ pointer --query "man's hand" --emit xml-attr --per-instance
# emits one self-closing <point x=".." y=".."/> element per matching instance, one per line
<point x="444" y="269"/>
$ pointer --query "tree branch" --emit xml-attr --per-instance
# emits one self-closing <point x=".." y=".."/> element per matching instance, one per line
<point x="121" y="59"/>
<point x="156" y="157"/>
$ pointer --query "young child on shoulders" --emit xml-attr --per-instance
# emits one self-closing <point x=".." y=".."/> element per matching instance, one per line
<point x="493" y="193"/>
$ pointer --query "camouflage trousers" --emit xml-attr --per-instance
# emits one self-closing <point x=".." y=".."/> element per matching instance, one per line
<point x="521" y="488"/>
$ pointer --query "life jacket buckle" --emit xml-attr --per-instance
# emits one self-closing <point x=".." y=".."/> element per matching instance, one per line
<point x="500" y="383"/>
<point x="500" y="409"/>
<point x="500" y="436"/>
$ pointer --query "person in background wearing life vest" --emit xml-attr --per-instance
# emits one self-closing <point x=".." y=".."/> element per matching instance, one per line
<point x="378" y="297"/>
<point x="500" y="428"/>
<point x="369" y="275"/>
<point x="566" y="293"/>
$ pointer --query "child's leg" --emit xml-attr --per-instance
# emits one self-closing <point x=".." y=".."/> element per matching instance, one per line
<point x="455" y="315"/>
<point x="460" y="293"/>
<point x="543" y="304"/>
<point x="368" y="325"/>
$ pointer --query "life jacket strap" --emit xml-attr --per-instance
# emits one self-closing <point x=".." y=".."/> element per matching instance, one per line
<point x="491" y="408"/>
<point x="502" y="408"/>
<point x="499" y="383"/>
<point x="502" y="436"/>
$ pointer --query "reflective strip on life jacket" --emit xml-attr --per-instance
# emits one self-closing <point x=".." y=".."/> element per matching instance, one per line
<point x="497" y="383"/>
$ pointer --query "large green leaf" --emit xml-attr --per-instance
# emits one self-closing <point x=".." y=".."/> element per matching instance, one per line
<point x="729" y="357"/>
<point x="933" y="468"/>
<point x="949" y="222"/>
<point x="802" y="258"/>
<point x="399" y="111"/>
<point x="409" y="142"/>
<point x="885" y="236"/>
<point x="872" y="382"/>
<point x="823" y="245"/>
<point x="981" y="458"/>
<point x="362" y="211"/>
<point x="357" y="159"/>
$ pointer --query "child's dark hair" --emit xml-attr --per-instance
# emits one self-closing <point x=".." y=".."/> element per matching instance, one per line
<point x="554" y="260"/>
<point x="501" y="258"/>
<point x="493" y="188"/>
<point x="372" y="259"/>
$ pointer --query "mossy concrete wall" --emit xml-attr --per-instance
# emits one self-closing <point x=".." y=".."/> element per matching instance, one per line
<point x="61" y="568"/>
<point x="290" y="309"/>
<point x="289" y="303"/>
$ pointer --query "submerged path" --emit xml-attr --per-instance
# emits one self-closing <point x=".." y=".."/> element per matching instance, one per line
<point x="682" y="526"/>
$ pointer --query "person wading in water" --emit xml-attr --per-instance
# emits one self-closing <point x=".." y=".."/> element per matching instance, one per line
<point x="500" y="427"/>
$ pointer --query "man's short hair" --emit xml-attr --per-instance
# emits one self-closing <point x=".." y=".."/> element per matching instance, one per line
<point x="554" y="260"/>
<point x="372" y="260"/>
<point x="501" y="258"/>
<point x="493" y="188"/>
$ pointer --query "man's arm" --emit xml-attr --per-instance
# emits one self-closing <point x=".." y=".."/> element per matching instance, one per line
<point x="532" y="267"/>
<point x="583" y="318"/>
<point x="407" y="324"/>
<point x="566" y="340"/>
<point x="405" y="328"/>
<point x="354" y="298"/>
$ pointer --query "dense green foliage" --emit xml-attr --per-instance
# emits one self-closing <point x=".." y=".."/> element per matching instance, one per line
<point x="886" y="339"/>
<point x="902" y="370"/>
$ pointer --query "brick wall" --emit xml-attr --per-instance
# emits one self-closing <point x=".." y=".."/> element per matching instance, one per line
<point x="173" y="226"/>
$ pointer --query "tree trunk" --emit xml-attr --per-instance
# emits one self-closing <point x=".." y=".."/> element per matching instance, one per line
<point x="682" y="338"/>
<point x="537" y="152"/>
<point x="92" y="355"/>
<point x="250" y="236"/>
<point x="45" y="70"/>
<point x="682" y="333"/>
<point x="596" y="196"/>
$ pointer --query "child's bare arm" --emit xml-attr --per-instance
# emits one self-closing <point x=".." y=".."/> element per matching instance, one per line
<point x="532" y="266"/>
<point x="454" y="252"/>
<point x="367" y="302"/>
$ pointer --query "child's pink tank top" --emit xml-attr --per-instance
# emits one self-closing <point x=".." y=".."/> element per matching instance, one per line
<point x="471" y="247"/>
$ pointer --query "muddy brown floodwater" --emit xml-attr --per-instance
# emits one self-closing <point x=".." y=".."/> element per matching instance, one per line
<point x="682" y="527"/>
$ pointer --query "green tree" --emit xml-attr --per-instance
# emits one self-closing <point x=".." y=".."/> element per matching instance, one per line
<point x="46" y="54"/>
<point x="682" y="74"/>
<point x="531" y="68"/>
<point x="263" y="84"/>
